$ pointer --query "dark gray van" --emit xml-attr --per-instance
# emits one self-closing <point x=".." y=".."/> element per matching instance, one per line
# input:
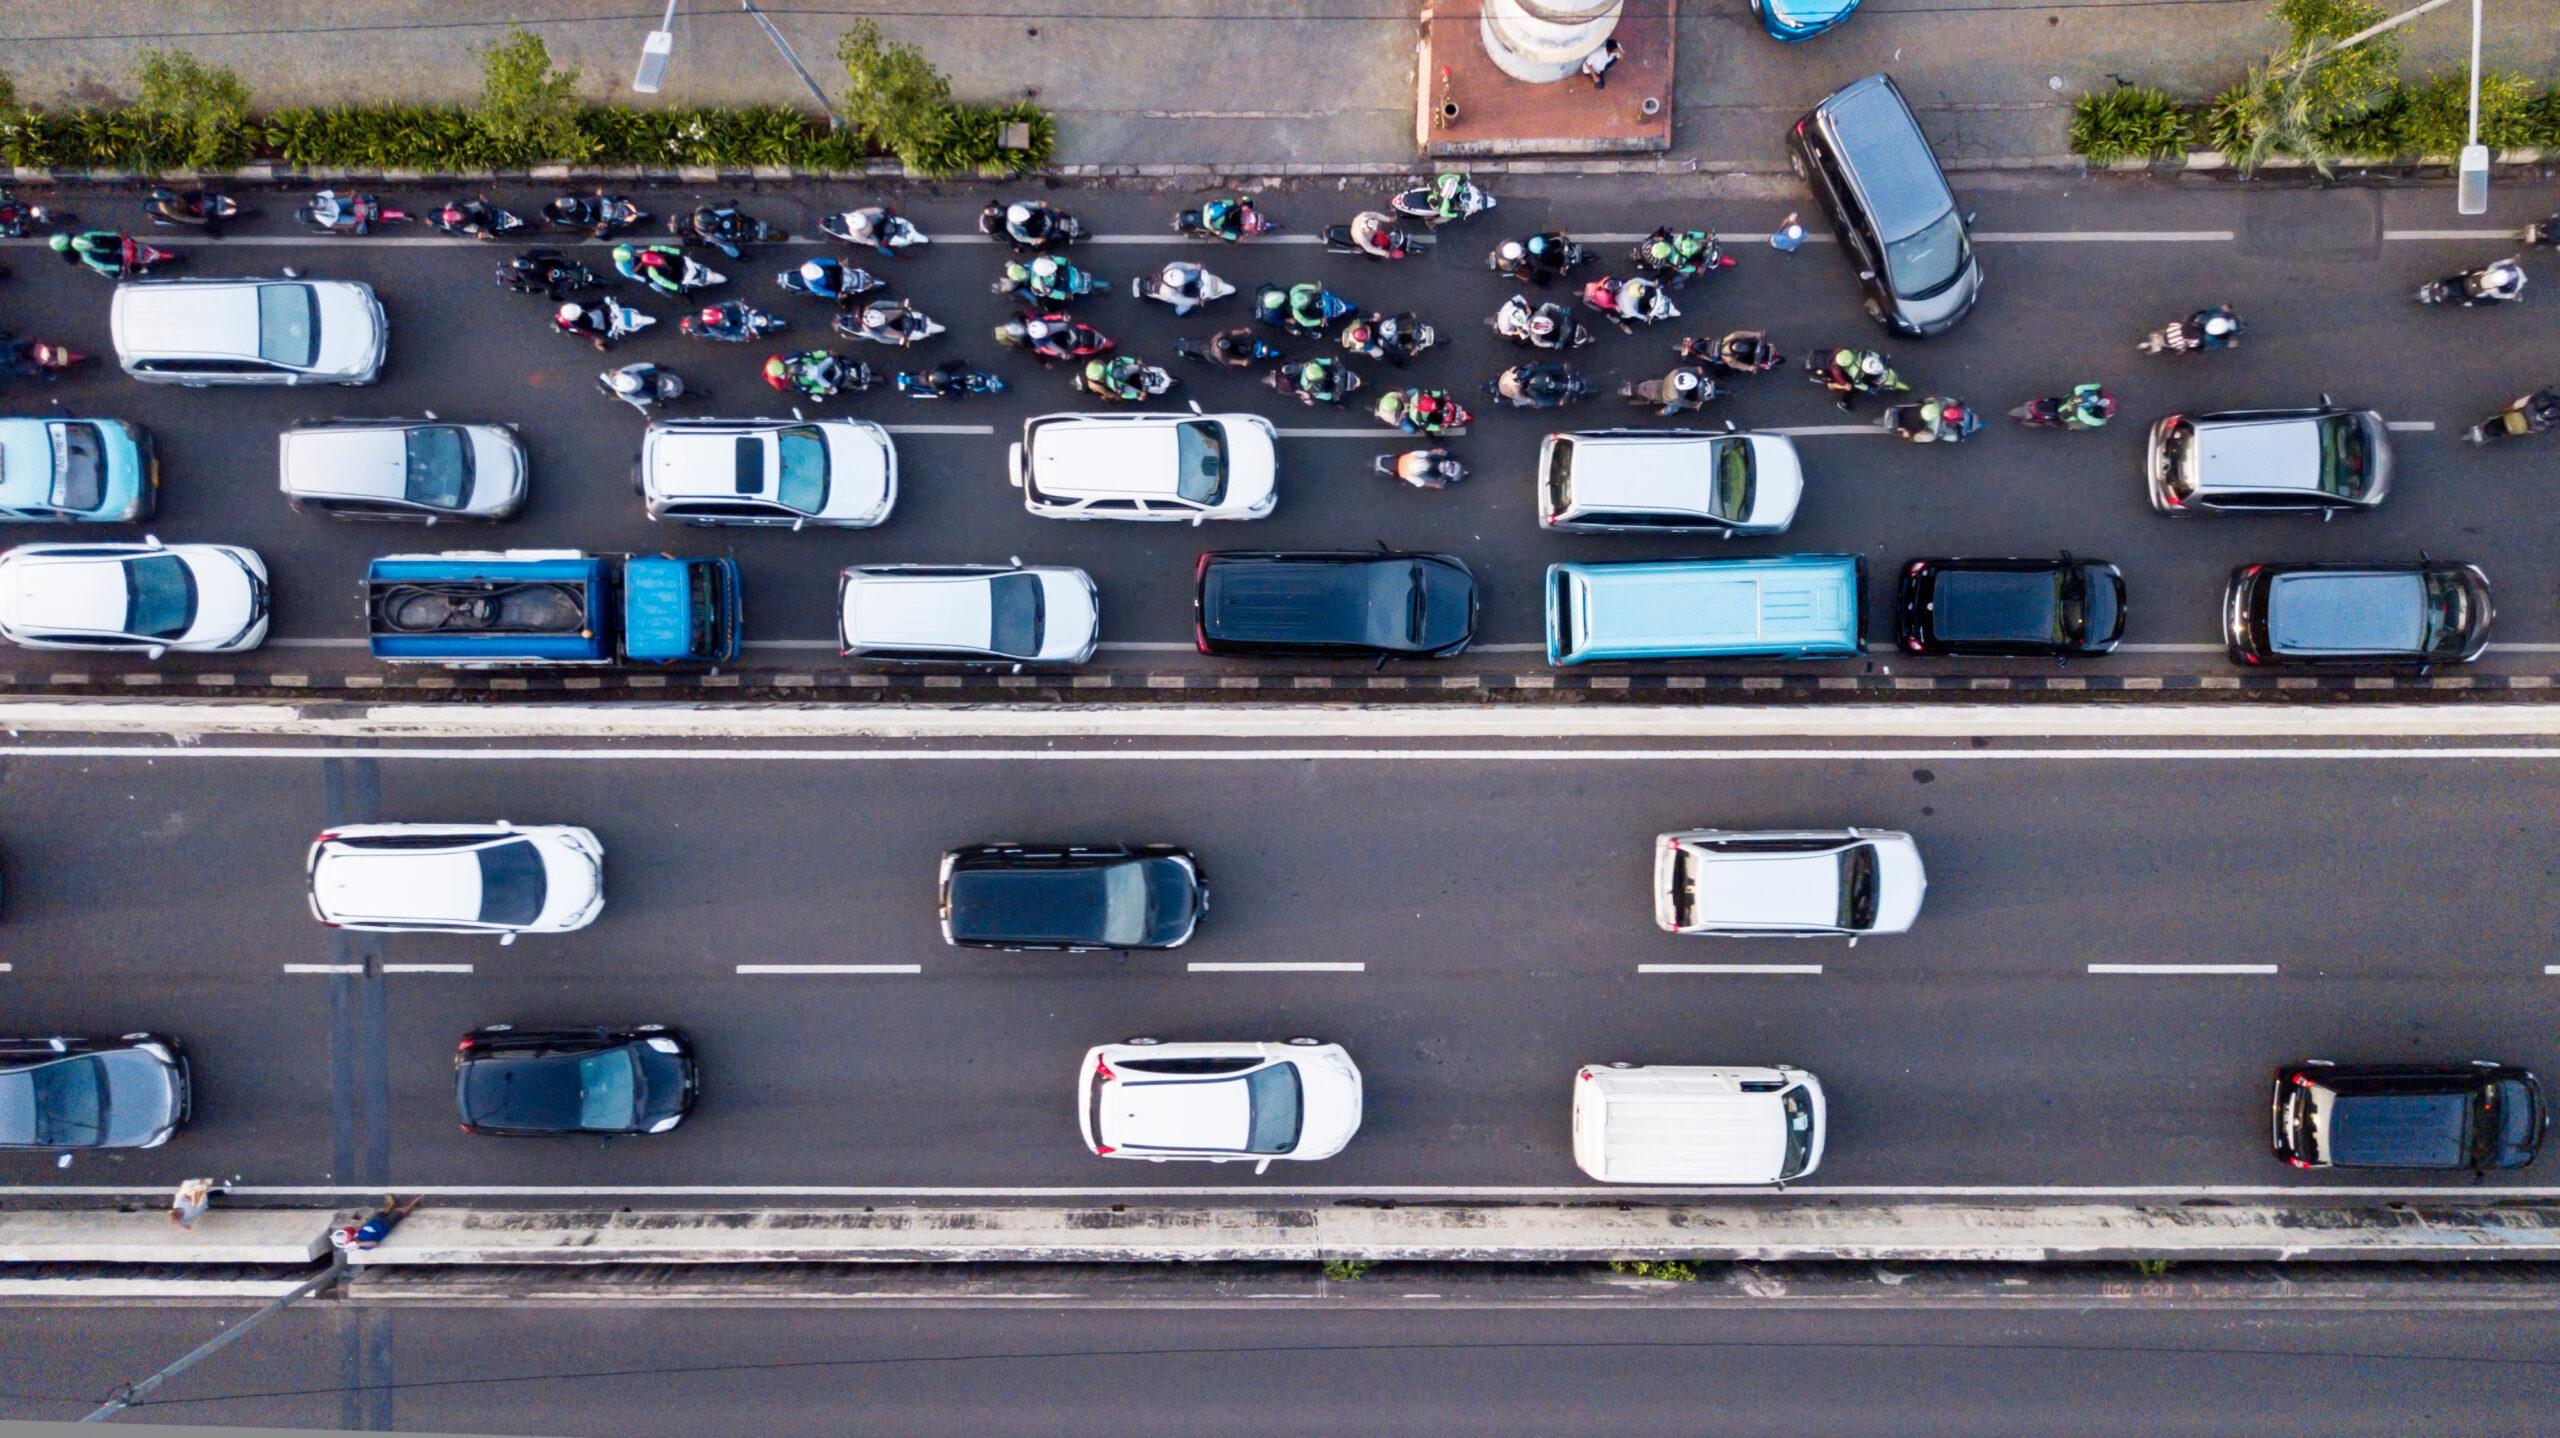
<point x="1862" y="152"/>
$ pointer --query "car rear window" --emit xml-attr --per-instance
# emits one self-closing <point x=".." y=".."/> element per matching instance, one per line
<point x="61" y="1104"/>
<point x="439" y="467"/>
<point x="79" y="467"/>
<point x="288" y="325"/>
<point x="511" y="883"/>
<point x="1560" y="475"/>
<point x="1200" y="461"/>
<point x="159" y="596"/>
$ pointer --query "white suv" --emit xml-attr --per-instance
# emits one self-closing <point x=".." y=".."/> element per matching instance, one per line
<point x="1797" y="883"/>
<point x="145" y="598"/>
<point x="841" y="473"/>
<point x="1666" y="481"/>
<point x="398" y="469"/>
<point x="968" y="614"/>
<point x="1190" y="467"/>
<point x="458" y="878"/>
<point x="280" y="331"/>
<point x="1218" y="1103"/>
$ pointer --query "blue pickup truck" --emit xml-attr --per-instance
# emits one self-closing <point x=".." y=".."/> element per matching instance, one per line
<point x="487" y="609"/>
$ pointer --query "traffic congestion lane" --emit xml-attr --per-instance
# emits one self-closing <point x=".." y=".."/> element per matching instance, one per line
<point x="2327" y="298"/>
<point x="1497" y="953"/>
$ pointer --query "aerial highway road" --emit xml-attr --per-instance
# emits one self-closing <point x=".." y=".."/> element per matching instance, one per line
<point x="2119" y="944"/>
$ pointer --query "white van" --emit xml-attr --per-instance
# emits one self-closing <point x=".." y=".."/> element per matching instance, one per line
<point x="1664" y="1125"/>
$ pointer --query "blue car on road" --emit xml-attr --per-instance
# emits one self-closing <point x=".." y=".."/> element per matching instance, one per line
<point x="85" y="471"/>
<point x="1793" y="20"/>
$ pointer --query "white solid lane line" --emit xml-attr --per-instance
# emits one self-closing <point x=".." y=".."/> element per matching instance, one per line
<point x="940" y="428"/>
<point x="1564" y="754"/>
<point x="2100" y="237"/>
<point x="426" y="968"/>
<point x="2547" y="969"/>
<point x="1277" y="1191"/>
<point x="1807" y="431"/>
<point x="1728" y="968"/>
<point x="2182" y="968"/>
<point x="2410" y="426"/>
<point x="1383" y="433"/>
<point x="1198" y="968"/>
<point x="830" y="968"/>
<point x="2453" y="234"/>
<point x="324" y="968"/>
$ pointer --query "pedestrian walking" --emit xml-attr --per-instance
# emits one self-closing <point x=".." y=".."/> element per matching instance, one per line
<point x="1596" y="64"/>
<point x="1787" y="236"/>
<point x="371" y="1232"/>
<point x="195" y="1195"/>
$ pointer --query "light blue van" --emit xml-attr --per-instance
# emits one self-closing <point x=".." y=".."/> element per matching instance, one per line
<point x="1799" y="606"/>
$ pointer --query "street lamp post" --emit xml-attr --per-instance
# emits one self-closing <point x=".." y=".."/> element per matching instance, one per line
<point x="2471" y="188"/>
<point x="654" y="53"/>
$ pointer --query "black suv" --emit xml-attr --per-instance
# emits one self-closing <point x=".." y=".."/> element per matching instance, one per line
<point x="1071" y="897"/>
<point x="2022" y="607"/>
<point x="606" y="1081"/>
<point x="1355" y="604"/>
<point x="2449" y="1116"/>
<point x="1862" y="152"/>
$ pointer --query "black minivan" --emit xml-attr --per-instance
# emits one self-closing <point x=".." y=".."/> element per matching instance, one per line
<point x="2444" y="1116"/>
<point x="1071" y="897"/>
<point x="1862" y="152"/>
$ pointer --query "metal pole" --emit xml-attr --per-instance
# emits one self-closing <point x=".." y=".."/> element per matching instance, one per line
<point x="2471" y="171"/>
<point x="133" y="1393"/>
<point x="792" y="60"/>
<point x="2474" y="137"/>
<point x="2403" y="18"/>
<point x="655" y="52"/>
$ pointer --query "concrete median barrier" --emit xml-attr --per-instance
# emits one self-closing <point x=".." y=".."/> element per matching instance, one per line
<point x="236" y="1237"/>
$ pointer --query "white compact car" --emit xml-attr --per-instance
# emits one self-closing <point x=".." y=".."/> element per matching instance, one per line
<point x="968" y="614"/>
<point x="396" y="469"/>
<point x="1190" y="467"/>
<point x="1218" y="1103"/>
<point x="146" y="598"/>
<point x="1669" y="481"/>
<point x="841" y="473"/>
<point x="501" y="878"/>
<point x="280" y="331"/>
<point x="1793" y="883"/>
<point x="1665" y="1125"/>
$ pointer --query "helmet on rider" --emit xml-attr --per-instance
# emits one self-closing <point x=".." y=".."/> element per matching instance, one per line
<point x="1512" y="252"/>
<point x="451" y="215"/>
<point x="1037" y="329"/>
<point x="814" y="271"/>
<point x="1542" y="324"/>
<point x="1017" y="214"/>
<point x="624" y="381"/>
<point x="775" y="369"/>
<point x="1871" y="365"/>
<point x="1312" y="374"/>
<point x="2219" y="322"/>
<point x="875" y="318"/>
<point x="1045" y="267"/>
<point x="61" y="244"/>
<point x="711" y="315"/>
<point x="571" y="313"/>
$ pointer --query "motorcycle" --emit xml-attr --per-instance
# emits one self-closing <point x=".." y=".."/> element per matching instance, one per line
<point x="547" y="272"/>
<point x="603" y="325"/>
<point x="951" y="379"/>
<point x="2214" y="329"/>
<point x="2499" y="283"/>
<point x="600" y="215"/>
<point x="1373" y="236"/>
<point x="1932" y="421"/>
<point x="1393" y="338"/>
<point x="1051" y="338"/>
<point x="828" y="279"/>
<point x="733" y="321"/>
<point x="1029" y="225"/>
<point x="1850" y="373"/>
<point x="665" y="269"/>
<point x="819" y="374"/>
<point x="477" y="218"/>
<point x="18" y="219"/>
<point x="641" y="385"/>
<point x="2536" y="413"/>
<point x="132" y="259"/>
<point x="1230" y="349"/>
<point x="36" y="359"/>
<point x="1274" y="305"/>
<point x="1683" y="390"/>
<point x="1630" y="302"/>
<point x="724" y="227"/>
<point x="1195" y="224"/>
<point x="1741" y="352"/>
<point x="878" y="226"/>
<point x="1123" y="380"/>
<point x="1678" y="257"/>
<point x="1430" y="412"/>
<point x="887" y="322"/>
<point x="1333" y="383"/>
<point x="1422" y="202"/>
<point x="2086" y="407"/>
<point x="1048" y="280"/>
<point x="1537" y="260"/>
<point x="205" y="210"/>
<point x="1538" y="386"/>
<point x="1422" y="468"/>
<point x="2544" y="232"/>
<point x="1182" y="286"/>
<point x="1550" y="327"/>
<point x="350" y="214"/>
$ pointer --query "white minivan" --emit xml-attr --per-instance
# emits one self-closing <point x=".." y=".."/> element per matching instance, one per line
<point x="1672" y="1125"/>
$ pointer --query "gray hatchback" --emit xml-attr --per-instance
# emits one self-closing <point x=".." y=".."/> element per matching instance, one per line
<point x="2423" y="613"/>
<point x="2264" y="461"/>
<point x="1863" y="153"/>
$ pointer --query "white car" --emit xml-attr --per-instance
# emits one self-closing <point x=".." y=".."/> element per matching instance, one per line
<point x="146" y="598"/>
<point x="501" y="878"/>
<point x="836" y="472"/>
<point x="968" y="613"/>
<point x="280" y="331"/>
<point x="1218" y="1103"/>
<point x="1191" y="467"/>
<point x="398" y="469"/>
<point x="1795" y="883"/>
<point x="1669" y="481"/>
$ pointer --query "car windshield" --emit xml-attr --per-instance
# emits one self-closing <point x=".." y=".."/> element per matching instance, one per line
<point x="1858" y="887"/>
<point x="2346" y="456"/>
<point x="1200" y="461"/>
<point x="1277" y="1112"/>
<point x="1797" y="1104"/>
<point x="608" y="1090"/>
<point x="1125" y="908"/>
<point x="511" y="883"/>
<point x="802" y="485"/>
<point x="1014" y="611"/>
<point x="2448" y="618"/>
<point x="1733" y="480"/>
<point x="159" y="596"/>
<point x="288" y="325"/>
<point x="2514" y="1126"/>
<point x="79" y="468"/>
<point x="1922" y="264"/>
<point x="62" y="1104"/>
<point x="439" y="467"/>
<point x="2071" y="607"/>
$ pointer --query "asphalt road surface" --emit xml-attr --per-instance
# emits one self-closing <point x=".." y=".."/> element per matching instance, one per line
<point x="2078" y="270"/>
<point x="1478" y="926"/>
<point x="1414" y="1369"/>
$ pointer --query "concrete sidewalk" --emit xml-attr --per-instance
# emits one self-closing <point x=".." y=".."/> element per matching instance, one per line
<point x="1301" y="83"/>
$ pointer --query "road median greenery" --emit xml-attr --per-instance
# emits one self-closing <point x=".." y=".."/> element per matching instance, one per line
<point x="190" y="116"/>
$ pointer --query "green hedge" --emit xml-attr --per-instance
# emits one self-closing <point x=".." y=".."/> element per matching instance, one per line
<point x="2419" y="122"/>
<point x="2128" y="123"/>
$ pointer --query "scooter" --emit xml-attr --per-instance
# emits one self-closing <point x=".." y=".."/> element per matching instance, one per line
<point x="547" y="272"/>
<point x="1824" y="368"/>
<point x="828" y="279"/>
<point x="819" y="374"/>
<point x="18" y="219"/>
<point x="1422" y="468"/>
<point x="36" y="359"/>
<point x="1049" y="281"/>
<point x="1396" y="339"/>
<point x="1676" y="271"/>
<point x="1651" y="305"/>
<point x="1912" y="422"/>
<point x="1286" y="380"/>
<point x="1151" y="382"/>
<point x="641" y="385"/>
<point x="620" y="322"/>
<point x="878" y="226"/>
<point x="1029" y="226"/>
<point x="1052" y="338"/>
<point x="2536" y="413"/>
<point x="1394" y="243"/>
<point x="476" y="218"/>
<point x="1682" y="391"/>
<point x="600" y="215"/>
<point x="952" y="379"/>
<point x="890" y="322"/>
<point x="1560" y="256"/>
<point x="1743" y="352"/>
<point x="2062" y="412"/>
<point x="2461" y="290"/>
<point x="676" y="274"/>
<point x="205" y="210"/>
<point x="1401" y="408"/>
<point x="1539" y="386"/>
<point x="2196" y="334"/>
<point x="732" y="321"/>
<point x="1229" y="349"/>
<point x="1182" y="286"/>
<point x="724" y="227"/>
<point x="1249" y="222"/>
<point x="1549" y="327"/>
<point x="350" y="214"/>
<point x="1422" y="203"/>
<point x="1271" y="306"/>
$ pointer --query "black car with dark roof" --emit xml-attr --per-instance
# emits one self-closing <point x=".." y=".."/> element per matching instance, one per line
<point x="2014" y="607"/>
<point x="1351" y="604"/>
<point x="2442" y="1116"/>
<point x="597" y="1080"/>
<point x="1071" y="897"/>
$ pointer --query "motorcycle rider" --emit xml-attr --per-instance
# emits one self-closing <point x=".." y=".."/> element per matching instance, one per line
<point x="1416" y="411"/>
<point x="2535" y="413"/>
<point x="1377" y="236"/>
<point x="824" y="277"/>
<point x="1742" y="351"/>
<point x="1027" y="223"/>
<point x="2215" y="329"/>
<point x="1043" y="276"/>
<point x="30" y="357"/>
<point x="660" y="267"/>
<point x="896" y="321"/>
<point x="1226" y="217"/>
<point x="1395" y="338"/>
<point x="1115" y="378"/>
<point x="1181" y="283"/>
<point x="470" y="217"/>
<point x="1306" y="305"/>
<point x="1237" y="348"/>
<point x="952" y="378"/>
<point x="1319" y="381"/>
<point x="636" y="385"/>
<point x="1933" y="419"/>
<point x="1628" y="301"/>
<point x="104" y="251"/>
<point x="593" y="322"/>
<point x="730" y="321"/>
<point x="1538" y="386"/>
<point x="1448" y="194"/>
<point x="1544" y="327"/>
<point x="1850" y="373"/>
<point x="1683" y="388"/>
<point x="2088" y="406"/>
<point x="1681" y="251"/>
<point x="1427" y="468"/>
<point x="2501" y="281"/>
<point x="813" y="373"/>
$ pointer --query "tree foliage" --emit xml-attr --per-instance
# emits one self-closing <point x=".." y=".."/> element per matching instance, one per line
<point x="528" y="111"/>
<point x="896" y="99"/>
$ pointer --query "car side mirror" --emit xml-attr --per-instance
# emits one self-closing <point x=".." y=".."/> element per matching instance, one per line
<point x="293" y="272"/>
<point x="154" y="651"/>
<point x="1014" y="559"/>
<point x="153" y="541"/>
<point x="62" y="1162"/>
<point x="2328" y="514"/>
<point x="506" y="940"/>
<point x="1968" y="219"/>
<point x="1262" y="1167"/>
<point x="1196" y="409"/>
<point x="799" y="524"/>
<point x="1866" y="274"/>
<point x="431" y="414"/>
<point x="2326" y="402"/>
<point x="1853" y="941"/>
<point x="1198" y="519"/>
